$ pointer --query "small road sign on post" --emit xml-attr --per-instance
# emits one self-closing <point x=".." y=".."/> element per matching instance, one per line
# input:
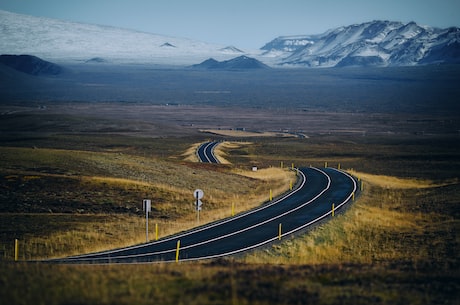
<point x="198" y="205"/>
<point x="147" y="206"/>
<point x="198" y="194"/>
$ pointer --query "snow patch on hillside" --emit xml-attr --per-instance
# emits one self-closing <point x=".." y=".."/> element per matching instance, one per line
<point x="62" y="41"/>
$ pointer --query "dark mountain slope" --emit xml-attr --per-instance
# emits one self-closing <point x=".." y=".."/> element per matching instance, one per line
<point x="30" y="64"/>
<point x="238" y="63"/>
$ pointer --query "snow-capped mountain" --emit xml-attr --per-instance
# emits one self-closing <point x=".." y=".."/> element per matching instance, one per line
<point x="376" y="43"/>
<point x="58" y="40"/>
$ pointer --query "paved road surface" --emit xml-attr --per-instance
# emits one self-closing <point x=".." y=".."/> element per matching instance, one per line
<point x="206" y="152"/>
<point x="308" y="204"/>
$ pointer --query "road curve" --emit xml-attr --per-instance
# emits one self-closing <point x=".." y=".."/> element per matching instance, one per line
<point x="205" y="152"/>
<point x="308" y="204"/>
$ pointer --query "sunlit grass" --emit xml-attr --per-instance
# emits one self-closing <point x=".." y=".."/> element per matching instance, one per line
<point x="380" y="226"/>
<point x="105" y="191"/>
<point x="191" y="153"/>
<point x="247" y="134"/>
<point x="397" y="244"/>
<point x="393" y="182"/>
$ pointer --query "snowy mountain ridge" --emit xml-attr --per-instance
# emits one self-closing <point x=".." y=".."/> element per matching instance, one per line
<point x="376" y="43"/>
<point x="71" y="41"/>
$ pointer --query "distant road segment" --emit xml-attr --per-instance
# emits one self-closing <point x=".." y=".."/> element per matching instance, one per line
<point x="305" y="206"/>
<point x="205" y="152"/>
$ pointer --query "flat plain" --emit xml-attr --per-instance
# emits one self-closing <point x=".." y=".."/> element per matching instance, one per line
<point x="79" y="152"/>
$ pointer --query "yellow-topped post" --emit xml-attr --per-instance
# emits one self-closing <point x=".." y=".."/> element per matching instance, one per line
<point x="16" y="250"/>
<point x="177" y="250"/>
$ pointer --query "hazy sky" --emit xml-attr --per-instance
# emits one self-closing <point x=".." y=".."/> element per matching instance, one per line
<point x="243" y="23"/>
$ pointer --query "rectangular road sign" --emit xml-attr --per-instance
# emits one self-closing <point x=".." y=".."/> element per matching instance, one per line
<point x="147" y="205"/>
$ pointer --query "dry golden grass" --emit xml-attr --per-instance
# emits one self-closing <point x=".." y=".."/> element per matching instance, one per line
<point x="219" y="152"/>
<point x="190" y="154"/>
<point x="117" y="181"/>
<point x="112" y="231"/>
<point x="379" y="226"/>
<point x="114" y="181"/>
<point x="84" y="234"/>
<point x="393" y="182"/>
<point x="221" y="149"/>
<point x="247" y="134"/>
<point x="356" y="236"/>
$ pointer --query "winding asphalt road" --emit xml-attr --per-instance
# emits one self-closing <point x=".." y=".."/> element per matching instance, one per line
<point x="206" y="152"/>
<point x="308" y="204"/>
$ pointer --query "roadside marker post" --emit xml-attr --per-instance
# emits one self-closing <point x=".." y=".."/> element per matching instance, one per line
<point x="177" y="251"/>
<point x="271" y="195"/>
<point x="338" y="166"/>
<point x="290" y="185"/>
<point x="325" y="164"/>
<point x="156" y="231"/>
<point x="279" y="231"/>
<point x="147" y="205"/>
<point x="16" y="250"/>
<point x="333" y="208"/>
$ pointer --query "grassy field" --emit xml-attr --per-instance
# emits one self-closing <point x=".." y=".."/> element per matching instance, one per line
<point x="69" y="192"/>
<point x="80" y="201"/>
<point x="391" y="221"/>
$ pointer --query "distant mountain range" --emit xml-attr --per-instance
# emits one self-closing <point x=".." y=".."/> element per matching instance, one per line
<point x="376" y="43"/>
<point x="239" y="63"/>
